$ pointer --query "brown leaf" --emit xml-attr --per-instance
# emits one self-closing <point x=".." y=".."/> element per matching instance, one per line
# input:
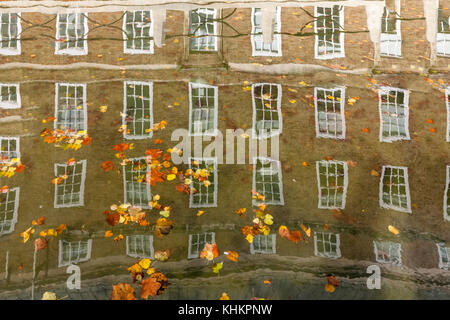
<point x="150" y="287"/>
<point x="40" y="243"/>
<point x="123" y="291"/>
<point x="333" y="280"/>
<point x="113" y="219"/>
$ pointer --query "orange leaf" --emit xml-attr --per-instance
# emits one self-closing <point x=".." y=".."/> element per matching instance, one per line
<point x="374" y="173"/>
<point x="329" y="288"/>
<point x="365" y="130"/>
<point x="123" y="291"/>
<point x="108" y="234"/>
<point x="232" y="255"/>
<point x="333" y="280"/>
<point x="294" y="236"/>
<point x="150" y="287"/>
<point x="158" y="141"/>
<point x="107" y="166"/>
<point x="429" y="121"/>
<point x="393" y="230"/>
<point x="432" y="130"/>
<point x="210" y="251"/>
<point x="39" y="221"/>
<point x="61" y="228"/>
<point x="224" y="296"/>
<point x="240" y="211"/>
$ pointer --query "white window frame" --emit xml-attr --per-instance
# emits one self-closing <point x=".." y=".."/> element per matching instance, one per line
<point x="332" y="55"/>
<point x="144" y="184"/>
<point x="386" y="91"/>
<point x="270" y="238"/>
<point x="330" y="114"/>
<point x="9" y="104"/>
<point x="8" y="153"/>
<point x="447" y="104"/>
<point x="69" y="125"/>
<point x="207" y="11"/>
<point x="11" y="51"/>
<point x="276" y="170"/>
<point x="442" y="42"/>
<point x="80" y="202"/>
<point x="208" y="132"/>
<point x="257" y="36"/>
<point x="214" y="184"/>
<point x="63" y="263"/>
<point x="391" y="43"/>
<point x="269" y="132"/>
<point x="394" y="251"/>
<point x="194" y="255"/>
<point x="407" y="194"/>
<point x="134" y="38"/>
<point x="446" y="195"/>
<point x="4" y="213"/>
<point x="72" y="51"/>
<point x="126" y="85"/>
<point x="443" y="250"/>
<point x="141" y="238"/>
<point x="327" y="254"/>
<point x="328" y="176"/>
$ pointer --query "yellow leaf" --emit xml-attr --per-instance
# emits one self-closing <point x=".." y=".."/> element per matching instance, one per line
<point x="249" y="238"/>
<point x="200" y="212"/>
<point x="217" y="267"/>
<point x="268" y="219"/>
<point x="165" y="213"/>
<point x="393" y="230"/>
<point x="145" y="263"/>
<point x="52" y="232"/>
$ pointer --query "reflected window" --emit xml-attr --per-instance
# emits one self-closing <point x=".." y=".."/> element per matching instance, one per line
<point x="138" y="110"/>
<point x="443" y="35"/>
<point x="394" y="189"/>
<point x="394" y="114"/>
<point x="391" y="34"/>
<point x="264" y="244"/>
<point x="9" y="96"/>
<point x="71" y="34"/>
<point x="10" y="30"/>
<point x="70" y="191"/>
<point x="267" y="118"/>
<point x="203" y="103"/>
<point x="9" y="149"/>
<point x="444" y="256"/>
<point x="203" y="190"/>
<point x="139" y="32"/>
<point x="388" y="252"/>
<point x="332" y="180"/>
<point x="197" y="243"/>
<point x="328" y="25"/>
<point x="9" y="206"/>
<point x="447" y="103"/>
<point x="259" y="48"/>
<point x="74" y="252"/>
<point x="267" y="181"/>
<point x="140" y="246"/>
<point x="70" y="107"/>
<point x="329" y="112"/>
<point x="135" y="176"/>
<point x="327" y="245"/>
<point x="204" y="30"/>
<point x="447" y="195"/>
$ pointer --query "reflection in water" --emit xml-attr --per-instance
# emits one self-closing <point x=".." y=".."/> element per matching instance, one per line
<point x="352" y="98"/>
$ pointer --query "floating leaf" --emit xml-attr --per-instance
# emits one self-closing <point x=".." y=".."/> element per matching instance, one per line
<point x="149" y="287"/>
<point x="232" y="255"/>
<point x="210" y="251"/>
<point x="224" y="296"/>
<point x="217" y="267"/>
<point x="393" y="230"/>
<point x="123" y="291"/>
